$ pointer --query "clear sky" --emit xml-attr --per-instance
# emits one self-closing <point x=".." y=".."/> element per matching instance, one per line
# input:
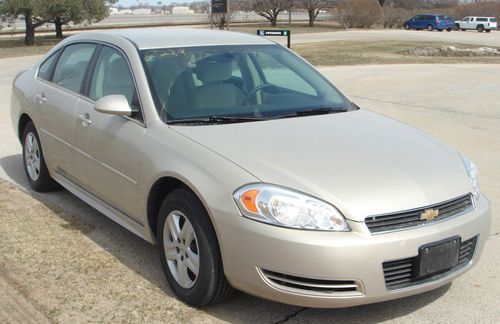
<point x="127" y="3"/>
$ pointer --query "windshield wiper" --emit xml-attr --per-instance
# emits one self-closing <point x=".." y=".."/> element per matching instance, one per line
<point x="214" y="120"/>
<point x="314" y="111"/>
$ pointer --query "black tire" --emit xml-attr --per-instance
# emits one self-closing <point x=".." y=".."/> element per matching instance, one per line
<point x="42" y="182"/>
<point x="407" y="27"/>
<point x="488" y="30"/>
<point x="449" y="29"/>
<point x="211" y="285"/>
<point x="463" y="29"/>
<point x="480" y="28"/>
<point x="440" y="30"/>
<point x="430" y="28"/>
<point x="457" y="27"/>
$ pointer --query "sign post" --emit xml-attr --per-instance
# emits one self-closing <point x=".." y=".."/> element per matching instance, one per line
<point x="286" y="33"/>
<point x="219" y="7"/>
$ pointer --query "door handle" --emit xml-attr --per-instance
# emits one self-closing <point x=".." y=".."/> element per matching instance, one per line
<point x="85" y="119"/>
<point x="40" y="98"/>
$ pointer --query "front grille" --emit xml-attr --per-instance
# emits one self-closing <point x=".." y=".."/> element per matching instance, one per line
<point x="309" y="285"/>
<point x="412" y="218"/>
<point x="404" y="273"/>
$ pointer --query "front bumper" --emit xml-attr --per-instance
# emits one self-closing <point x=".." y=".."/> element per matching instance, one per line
<point x="253" y="251"/>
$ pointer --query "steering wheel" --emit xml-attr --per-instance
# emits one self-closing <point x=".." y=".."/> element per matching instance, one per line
<point x="260" y="88"/>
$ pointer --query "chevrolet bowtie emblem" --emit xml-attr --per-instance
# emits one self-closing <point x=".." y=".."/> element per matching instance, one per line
<point x="429" y="214"/>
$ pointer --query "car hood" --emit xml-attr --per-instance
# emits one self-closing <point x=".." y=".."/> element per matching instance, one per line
<point x="359" y="161"/>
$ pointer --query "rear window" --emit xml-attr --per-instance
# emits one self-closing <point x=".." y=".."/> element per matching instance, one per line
<point x="493" y="20"/>
<point x="481" y="19"/>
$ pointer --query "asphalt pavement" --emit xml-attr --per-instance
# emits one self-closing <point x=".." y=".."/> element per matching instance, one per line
<point x="458" y="104"/>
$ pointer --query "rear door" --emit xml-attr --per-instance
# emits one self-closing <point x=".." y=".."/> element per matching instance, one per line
<point x="111" y="145"/>
<point x="60" y="81"/>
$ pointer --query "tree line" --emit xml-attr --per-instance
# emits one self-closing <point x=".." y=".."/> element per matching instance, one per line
<point x="350" y="13"/>
<point x="59" y="12"/>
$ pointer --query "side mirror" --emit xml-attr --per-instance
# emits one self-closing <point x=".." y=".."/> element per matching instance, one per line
<point x="113" y="105"/>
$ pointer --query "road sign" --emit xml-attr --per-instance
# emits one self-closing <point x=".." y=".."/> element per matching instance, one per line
<point x="275" y="32"/>
<point x="219" y="6"/>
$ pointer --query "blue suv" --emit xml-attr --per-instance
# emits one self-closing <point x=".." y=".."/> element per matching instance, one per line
<point x="430" y="22"/>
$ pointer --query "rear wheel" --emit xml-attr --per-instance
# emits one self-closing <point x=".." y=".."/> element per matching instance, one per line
<point x="189" y="250"/>
<point x="448" y="29"/>
<point x="488" y="30"/>
<point x="34" y="161"/>
<point x="463" y="29"/>
<point x="457" y="27"/>
<point x="430" y="28"/>
<point x="480" y="28"/>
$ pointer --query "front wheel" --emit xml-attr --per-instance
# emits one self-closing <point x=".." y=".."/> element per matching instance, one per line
<point x="480" y="28"/>
<point x="189" y="251"/>
<point x="34" y="161"/>
<point x="430" y="28"/>
<point x="448" y="29"/>
<point x="407" y="26"/>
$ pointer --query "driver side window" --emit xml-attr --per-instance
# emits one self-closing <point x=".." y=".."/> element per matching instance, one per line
<point x="112" y="76"/>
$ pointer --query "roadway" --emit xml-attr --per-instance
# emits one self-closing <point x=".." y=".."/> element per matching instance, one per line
<point x="466" y="115"/>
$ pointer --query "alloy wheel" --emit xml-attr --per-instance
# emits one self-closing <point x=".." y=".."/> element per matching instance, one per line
<point x="181" y="249"/>
<point x="32" y="156"/>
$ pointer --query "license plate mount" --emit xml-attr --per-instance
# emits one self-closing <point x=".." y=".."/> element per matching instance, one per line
<point x="438" y="256"/>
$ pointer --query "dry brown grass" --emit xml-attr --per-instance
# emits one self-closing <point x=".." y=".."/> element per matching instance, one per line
<point x="379" y="52"/>
<point x="14" y="46"/>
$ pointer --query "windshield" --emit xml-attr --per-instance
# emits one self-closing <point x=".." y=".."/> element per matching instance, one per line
<point x="251" y="82"/>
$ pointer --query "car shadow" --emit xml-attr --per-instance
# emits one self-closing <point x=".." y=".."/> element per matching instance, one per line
<point x="141" y="257"/>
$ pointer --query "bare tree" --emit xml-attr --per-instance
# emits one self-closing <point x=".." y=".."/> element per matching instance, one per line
<point x="313" y="7"/>
<point x="221" y="19"/>
<point x="358" y="13"/>
<point x="270" y="9"/>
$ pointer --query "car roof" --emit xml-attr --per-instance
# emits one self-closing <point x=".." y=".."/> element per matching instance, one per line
<point x="148" y="38"/>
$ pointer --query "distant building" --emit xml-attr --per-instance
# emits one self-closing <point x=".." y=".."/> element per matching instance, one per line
<point x="113" y="11"/>
<point x="182" y="11"/>
<point x="141" y="11"/>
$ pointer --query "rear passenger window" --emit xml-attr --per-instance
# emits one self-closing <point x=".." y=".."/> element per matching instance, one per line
<point x="46" y="67"/>
<point x="71" y="67"/>
<point x="481" y="19"/>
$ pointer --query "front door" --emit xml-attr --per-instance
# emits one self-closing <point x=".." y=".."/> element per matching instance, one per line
<point x="110" y="144"/>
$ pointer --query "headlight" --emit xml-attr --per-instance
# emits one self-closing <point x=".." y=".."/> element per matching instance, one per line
<point x="472" y="173"/>
<point x="288" y="208"/>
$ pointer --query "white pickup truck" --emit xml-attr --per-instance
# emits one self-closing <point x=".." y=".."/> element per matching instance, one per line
<point x="480" y="24"/>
